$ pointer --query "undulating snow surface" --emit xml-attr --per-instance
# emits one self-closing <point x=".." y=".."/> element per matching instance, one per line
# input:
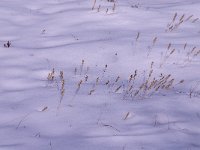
<point x="86" y="75"/>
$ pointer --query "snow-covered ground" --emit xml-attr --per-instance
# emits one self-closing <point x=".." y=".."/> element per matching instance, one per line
<point x="99" y="75"/>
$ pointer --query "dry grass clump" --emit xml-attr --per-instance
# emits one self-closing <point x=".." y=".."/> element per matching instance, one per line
<point x="51" y="75"/>
<point x="194" y="90"/>
<point x="191" y="54"/>
<point x="107" y="6"/>
<point x="187" y="53"/>
<point x="58" y="81"/>
<point x="169" y="52"/>
<point x="149" y="86"/>
<point x="139" y="85"/>
<point x="178" y="20"/>
<point x="136" y="86"/>
<point x="82" y="69"/>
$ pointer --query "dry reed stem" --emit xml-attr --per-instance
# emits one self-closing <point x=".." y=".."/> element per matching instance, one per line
<point x="137" y="37"/>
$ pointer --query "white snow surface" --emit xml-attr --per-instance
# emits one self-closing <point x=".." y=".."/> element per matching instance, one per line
<point x="104" y="46"/>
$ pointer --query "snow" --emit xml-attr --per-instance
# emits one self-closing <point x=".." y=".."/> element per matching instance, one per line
<point x="98" y="50"/>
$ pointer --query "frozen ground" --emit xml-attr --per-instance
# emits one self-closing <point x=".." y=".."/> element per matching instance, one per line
<point x="96" y="104"/>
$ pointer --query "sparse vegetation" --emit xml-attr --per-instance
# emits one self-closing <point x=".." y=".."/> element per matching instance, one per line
<point x="99" y="74"/>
